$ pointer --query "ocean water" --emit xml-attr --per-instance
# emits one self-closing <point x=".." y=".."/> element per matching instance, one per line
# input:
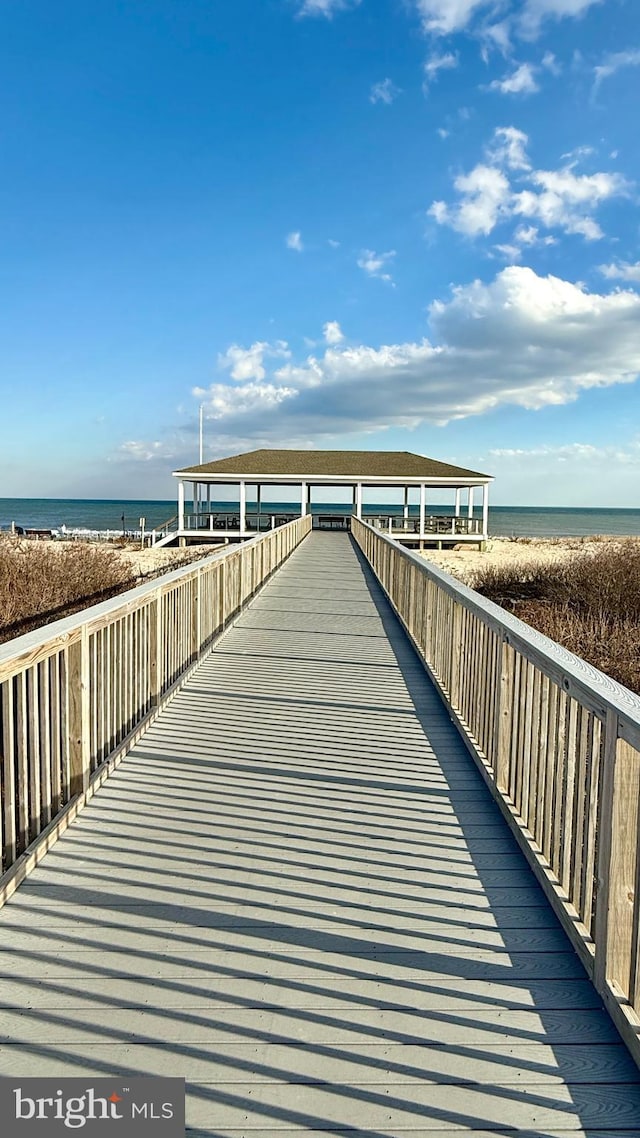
<point x="101" y="517"/>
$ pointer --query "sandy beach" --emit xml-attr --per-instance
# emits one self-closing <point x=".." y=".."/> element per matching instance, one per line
<point x="145" y="562"/>
<point x="465" y="563"/>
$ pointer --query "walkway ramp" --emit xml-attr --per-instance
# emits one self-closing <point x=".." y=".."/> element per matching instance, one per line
<point x="297" y="892"/>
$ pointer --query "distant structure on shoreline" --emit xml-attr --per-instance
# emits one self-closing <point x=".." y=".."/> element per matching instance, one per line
<point x="307" y="472"/>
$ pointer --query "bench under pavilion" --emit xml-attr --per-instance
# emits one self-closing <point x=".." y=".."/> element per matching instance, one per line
<point x="309" y="477"/>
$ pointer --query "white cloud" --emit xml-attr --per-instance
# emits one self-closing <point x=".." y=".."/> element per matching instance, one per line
<point x="574" y="474"/>
<point x="614" y="62"/>
<point x="509" y="148"/>
<point x="248" y="363"/>
<point x="557" y="199"/>
<point x="225" y="402"/>
<point x="444" y="17"/>
<point x="332" y="332"/>
<point x="535" y="12"/>
<point x="384" y="92"/>
<point x="574" y="452"/>
<point x="520" y="82"/>
<point x="326" y="8"/>
<point x="496" y="36"/>
<point x="376" y="264"/>
<point x="550" y="63"/>
<point x="136" y="450"/>
<point x="530" y="235"/>
<point x="522" y="340"/>
<point x="437" y="63"/>
<point x="526" y="234"/>
<point x="573" y="157"/>
<point x="566" y="200"/>
<point x="571" y="474"/>
<point x="294" y="241"/>
<point x="485" y="196"/>
<point x="511" y="252"/>
<point x="621" y="271"/>
<point x="441" y="17"/>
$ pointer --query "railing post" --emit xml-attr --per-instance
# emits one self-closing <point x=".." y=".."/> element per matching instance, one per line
<point x="603" y="868"/>
<point x="456" y="656"/>
<point x="195" y="616"/>
<point x="155" y="641"/>
<point x="8" y="804"/>
<point x="78" y="714"/>
<point x="199" y="612"/>
<point x="504" y="717"/>
<point x="615" y="936"/>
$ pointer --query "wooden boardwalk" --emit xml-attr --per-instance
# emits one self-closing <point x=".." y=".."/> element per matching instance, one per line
<point x="297" y="893"/>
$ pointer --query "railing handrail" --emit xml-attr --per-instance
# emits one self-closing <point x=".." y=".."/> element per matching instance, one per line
<point x="166" y="525"/>
<point x="76" y="694"/>
<point x="558" y="743"/>
<point x="597" y="687"/>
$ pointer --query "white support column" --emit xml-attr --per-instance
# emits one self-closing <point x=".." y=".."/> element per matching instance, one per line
<point x="471" y="501"/>
<point x="195" y="497"/>
<point x="304" y="490"/>
<point x="359" y="500"/>
<point x="258" y="502"/>
<point x="180" y="505"/>
<point x="423" y="500"/>
<point x="457" y="506"/>
<point x="485" y="510"/>
<point x="243" y="507"/>
<point x="405" y="508"/>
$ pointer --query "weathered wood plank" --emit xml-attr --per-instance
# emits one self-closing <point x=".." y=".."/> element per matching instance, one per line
<point x="453" y="995"/>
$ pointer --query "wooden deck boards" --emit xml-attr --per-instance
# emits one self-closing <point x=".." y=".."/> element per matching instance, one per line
<point x="297" y="893"/>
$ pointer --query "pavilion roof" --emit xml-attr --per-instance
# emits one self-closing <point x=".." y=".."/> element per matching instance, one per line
<point x="333" y="464"/>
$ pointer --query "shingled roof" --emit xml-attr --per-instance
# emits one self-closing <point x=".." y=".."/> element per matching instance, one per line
<point x="334" y="464"/>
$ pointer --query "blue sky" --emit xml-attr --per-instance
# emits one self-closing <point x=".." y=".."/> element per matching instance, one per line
<point x="385" y="224"/>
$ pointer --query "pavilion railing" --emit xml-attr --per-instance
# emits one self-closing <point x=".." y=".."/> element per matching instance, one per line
<point x="216" y="520"/>
<point x="434" y="525"/>
<point x="76" y="694"/>
<point x="557" y="741"/>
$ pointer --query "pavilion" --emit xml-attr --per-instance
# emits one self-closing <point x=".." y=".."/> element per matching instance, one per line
<point x="304" y="474"/>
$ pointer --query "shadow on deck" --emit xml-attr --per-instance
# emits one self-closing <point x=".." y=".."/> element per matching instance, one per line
<point x="297" y="893"/>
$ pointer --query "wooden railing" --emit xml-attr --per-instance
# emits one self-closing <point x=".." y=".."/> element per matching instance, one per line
<point x="75" y="695"/>
<point x="557" y="741"/>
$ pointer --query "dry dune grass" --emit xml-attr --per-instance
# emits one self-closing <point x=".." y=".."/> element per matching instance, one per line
<point x="39" y="583"/>
<point x="42" y="581"/>
<point x="589" y="603"/>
